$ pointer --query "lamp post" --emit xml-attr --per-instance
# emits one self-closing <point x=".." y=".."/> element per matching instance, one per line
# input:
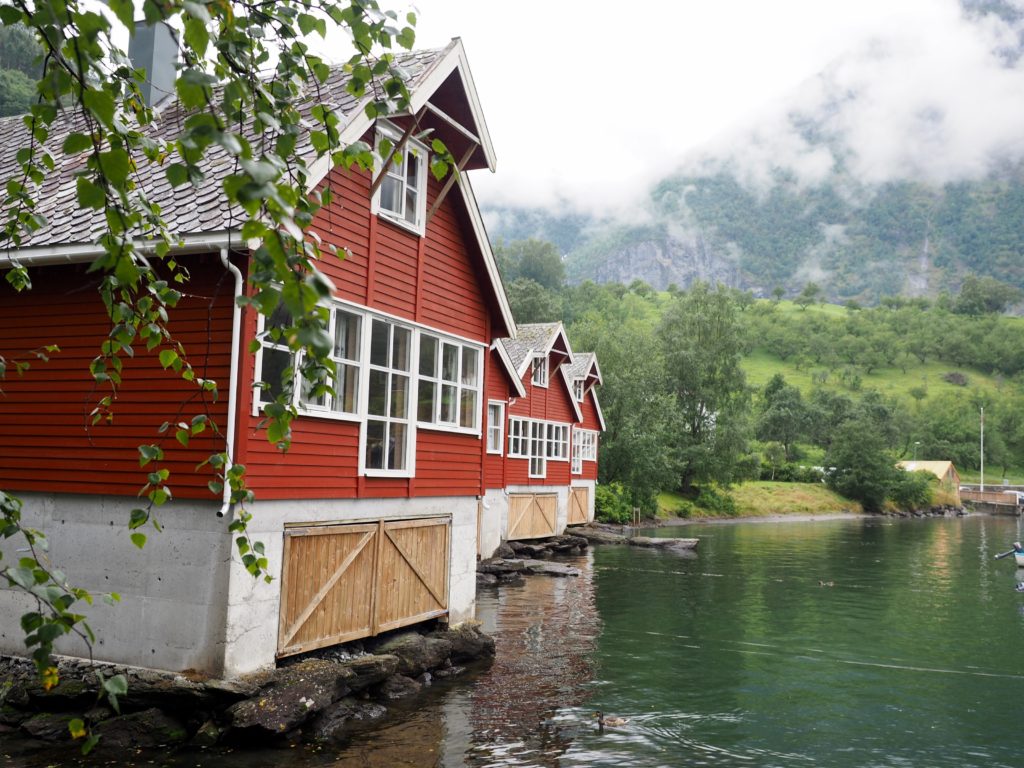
<point x="916" y="443"/>
<point x="982" y="450"/>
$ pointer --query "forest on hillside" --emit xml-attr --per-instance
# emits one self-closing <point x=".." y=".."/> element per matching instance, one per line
<point x="711" y="386"/>
<point x="859" y="243"/>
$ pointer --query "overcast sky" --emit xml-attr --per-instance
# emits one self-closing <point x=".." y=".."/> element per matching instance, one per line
<point x="591" y="101"/>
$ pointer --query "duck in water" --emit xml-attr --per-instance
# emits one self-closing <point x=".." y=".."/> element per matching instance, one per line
<point x="609" y="720"/>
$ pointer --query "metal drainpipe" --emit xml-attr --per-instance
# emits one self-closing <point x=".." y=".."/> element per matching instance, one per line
<point x="236" y="325"/>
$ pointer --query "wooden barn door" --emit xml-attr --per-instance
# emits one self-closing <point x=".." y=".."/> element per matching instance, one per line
<point x="531" y="515"/>
<point x="413" y="573"/>
<point x="579" y="505"/>
<point x="343" y="582"/>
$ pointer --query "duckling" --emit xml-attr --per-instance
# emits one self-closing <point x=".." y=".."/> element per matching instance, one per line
<point x="611" y="721"/>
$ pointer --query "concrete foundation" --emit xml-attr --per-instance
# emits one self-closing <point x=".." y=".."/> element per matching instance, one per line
<point x="186" y="600"/>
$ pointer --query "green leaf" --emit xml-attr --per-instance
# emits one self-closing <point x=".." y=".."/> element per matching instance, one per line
<point x="115" y="166"/>
<point x="125" y="12"/>
<point x="168" y="357"/>
<point x="75" y="143"/>
<point x="177" y="174"/>
<point x="197" y="36"/>
<point x="139" y="517"/>
<point x="89" y="195"/>
<point x="139" y="539"/>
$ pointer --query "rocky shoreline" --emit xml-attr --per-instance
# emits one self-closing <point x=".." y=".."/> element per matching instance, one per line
<point x="318" y="697"/>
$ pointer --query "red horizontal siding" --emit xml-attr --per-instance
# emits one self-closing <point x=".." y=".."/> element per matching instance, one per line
<point x="49" y="444"/>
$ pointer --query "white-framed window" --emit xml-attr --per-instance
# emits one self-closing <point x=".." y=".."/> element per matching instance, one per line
<point x="518" y="438"/>
<point x="345" y="328"/>
<point x="388" y="430"/>
<point x="495" y="426"/>
<point x="539" y="375"/>
<point x="449" y="383"/>
<point x="558" y="441"/>
<point x="577" y="452"/>
<point x="539" y="441"/>
<point x="275" y="366"/>
<point x="538" y="449"/>
<point x="383" y="379"/>
<point x="587" y="444"/>
<point x="402" y="194"/>
<point x="578" y="390"/>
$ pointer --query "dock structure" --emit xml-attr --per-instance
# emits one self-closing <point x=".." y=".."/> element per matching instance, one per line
<point x="997" y="502"/>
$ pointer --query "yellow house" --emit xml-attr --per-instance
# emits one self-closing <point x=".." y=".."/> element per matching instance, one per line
<point x="949" y="478"/>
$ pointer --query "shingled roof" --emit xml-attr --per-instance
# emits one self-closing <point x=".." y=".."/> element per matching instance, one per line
<point x="530" y="338"/>
<point x="189" y="210"/>
<point x="584" y="365"/>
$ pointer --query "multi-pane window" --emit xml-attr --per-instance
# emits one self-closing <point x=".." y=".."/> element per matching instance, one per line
<point x="538" y="450"/>
<point x="577" y="458"/>
<point x="540" y="371"/>
<point x="401" y="195"/>
<point x="345" y="328"/>
<point x="558" y="441"/>
<point x="578" y="390"/>
<point x="588" y="444"/>
<point x="276" y="370"/>
<point x="495" y="426"/>
<point x="449" y="383"/>
<point x="539" y="441"/>
<point x="379" y="379"/>
<point x="387" y="397"/>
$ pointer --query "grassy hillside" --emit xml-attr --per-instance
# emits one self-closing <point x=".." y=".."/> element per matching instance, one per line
<point x="763" y="499"/>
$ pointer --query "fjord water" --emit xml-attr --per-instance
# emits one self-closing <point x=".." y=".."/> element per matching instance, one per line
<point x="857" y="642"/>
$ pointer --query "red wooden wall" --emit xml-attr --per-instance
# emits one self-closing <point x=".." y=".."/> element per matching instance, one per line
<point x="590" y="421"/>
<point x="437" y="280"/>
<point x="498" y="388"/>
<point x="47" y="446"/>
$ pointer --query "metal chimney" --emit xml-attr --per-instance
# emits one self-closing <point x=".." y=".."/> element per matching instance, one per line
<point x="155" y="49"/>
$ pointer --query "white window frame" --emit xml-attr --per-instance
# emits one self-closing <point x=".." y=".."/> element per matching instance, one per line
<point x="538" y="449"/>
<point x="390" y="420"/>
<point x="577" y="451"/>
<point x="466" y="384"/>
<point x="587" y="444"/>
<point x="353" y="361"/>
<point x="518" y="438"/>
<point x="579" y="390"/>
<point x="412" y="152"/>
<point x="496" y="428"/>
<point x="469" y="385"/>
<point x="539" y="370"/>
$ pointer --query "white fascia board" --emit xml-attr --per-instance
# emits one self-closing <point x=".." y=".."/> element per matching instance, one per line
<point x="597" y="407"/>
<point x="510" y="368"/>
<point x="80" y="253"/>
<point x="454" y="58"/>
<point x="477" y="222"/>
<point x="567" y="385"/>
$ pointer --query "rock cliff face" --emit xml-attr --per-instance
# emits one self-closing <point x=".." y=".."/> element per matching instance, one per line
<point x="661" y="262"/>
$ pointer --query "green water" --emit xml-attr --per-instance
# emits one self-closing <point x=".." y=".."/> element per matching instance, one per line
<point x="736" y="656"/>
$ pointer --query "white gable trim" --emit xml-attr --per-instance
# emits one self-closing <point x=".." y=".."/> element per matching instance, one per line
<point x="567" y="386"/>
<point x="80" y="253"/>
<point x="510" y="369"/>
<point x="548" y="346"/>
<point x="597" y="407"/>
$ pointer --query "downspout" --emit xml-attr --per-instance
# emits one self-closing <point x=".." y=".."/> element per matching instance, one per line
<point x="236" y="325"/>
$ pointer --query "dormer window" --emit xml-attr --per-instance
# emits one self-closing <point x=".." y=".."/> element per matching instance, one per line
<point x="540" y="370"/>
<point x="578" y="390"/>
<point x="402" y="195"/>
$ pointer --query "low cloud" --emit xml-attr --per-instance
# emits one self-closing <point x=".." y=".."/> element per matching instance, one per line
<point x="933" y="96"/>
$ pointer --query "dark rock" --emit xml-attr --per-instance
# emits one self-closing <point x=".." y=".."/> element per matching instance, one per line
<point x="500" y="566"/>
<point x="399" y="686"/>
<point x="368" y="670"/>
<point x="334" y="723"/>
<point x="12" y="715"/>
<point x="149" y="728"/>
<point x="600" y="536"/>
<point x="504" y="551"/>
<point x="550" y="569"/>
<point x="416" y="653"/>
<point x="511" y="579"/>
<point x="486" y="580"/>
<point x="663" y="543"/>
<point x="49" y="727"/>
<point x="449" y="672"/>
<point x="425" y="679"/>
<point x="469" y="643"/>
<point x="69" y="693"/>
<point x="296" y="694"/>
<point x="207" y="735"/>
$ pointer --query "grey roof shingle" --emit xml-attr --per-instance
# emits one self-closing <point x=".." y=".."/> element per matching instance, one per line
<point x="528" y="338"/>
<point x="580" y="366"/>
<point x="188" y="210"/>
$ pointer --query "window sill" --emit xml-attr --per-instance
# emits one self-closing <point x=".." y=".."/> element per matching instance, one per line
<point x="447" y="428"/>
<point x="416" y="229"/>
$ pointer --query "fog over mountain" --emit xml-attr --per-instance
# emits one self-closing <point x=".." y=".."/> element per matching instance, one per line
<point x="895" y="169"/>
